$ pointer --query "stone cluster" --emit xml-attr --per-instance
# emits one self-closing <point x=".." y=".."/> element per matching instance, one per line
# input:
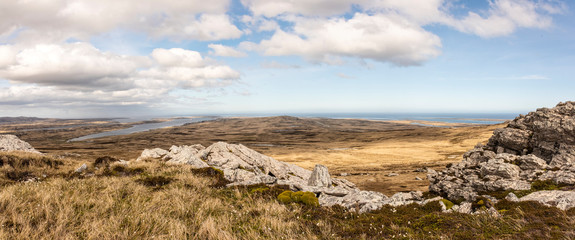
<point x="539" y="146"/>
<point x="244" y="166"/>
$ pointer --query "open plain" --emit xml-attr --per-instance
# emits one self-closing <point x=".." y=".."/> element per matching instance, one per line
<point x="375" y="155"/>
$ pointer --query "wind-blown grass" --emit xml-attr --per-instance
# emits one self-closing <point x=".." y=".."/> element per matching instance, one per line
<point x="152" y="200"/>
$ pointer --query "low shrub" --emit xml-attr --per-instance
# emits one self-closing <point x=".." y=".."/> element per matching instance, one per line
<point x="214" y="173"/>
<point x="305" y="198"/>
<point x="156" y="181"/>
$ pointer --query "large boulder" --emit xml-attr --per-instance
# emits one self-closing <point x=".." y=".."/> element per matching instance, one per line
<point x="12" y="143"/>
<point x="539" y="146"/>
<point x="319" y="177"/>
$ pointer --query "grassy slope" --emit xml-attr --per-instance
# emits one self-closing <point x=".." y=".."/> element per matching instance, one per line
<point x="152" y="200"/>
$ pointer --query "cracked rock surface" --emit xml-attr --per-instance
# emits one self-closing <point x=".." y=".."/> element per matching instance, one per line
<point x="539" y="146"/>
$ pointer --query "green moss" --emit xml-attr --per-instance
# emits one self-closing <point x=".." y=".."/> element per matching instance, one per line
<point x="448" y="204"/>
<point x="296" y="196"/>
<point x="259" y="190"/>
<point x="285" y="197"/>
<point x="309" y="198"/>
<point x="305" y="198"/>
<point x="544" y="185"/>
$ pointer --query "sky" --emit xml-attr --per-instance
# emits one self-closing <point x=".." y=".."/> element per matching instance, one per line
<point x="110" y="58"/>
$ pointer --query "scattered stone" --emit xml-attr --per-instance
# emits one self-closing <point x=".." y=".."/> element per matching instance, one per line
<point x="392" y="174"/>
<point x="81" y="168"/>
<point x="13" y="143"/>
<point x="420" y="170"/>
<point x="244" y="166"/>
<point x="464" y="207"/>
<point x="418" y="179"/>
<point x="511" y="197"/>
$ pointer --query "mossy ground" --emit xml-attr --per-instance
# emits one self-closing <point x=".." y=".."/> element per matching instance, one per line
<point x="152" y="200"/>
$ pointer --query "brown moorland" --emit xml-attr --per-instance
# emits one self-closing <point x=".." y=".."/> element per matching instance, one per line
<point x="363" y="151"/>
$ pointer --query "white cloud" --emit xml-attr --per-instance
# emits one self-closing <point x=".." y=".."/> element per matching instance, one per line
<point x="343" y="75"/>
<point x="225" y="51"/>
<point x="378" y="37"/>
<point x="422" y="12"/>
<point x="259" y="23"/>
<point x="278" y="65"/>
<point x="525" y="77"/>
<point x="272" y="8"/>
<point x="208" y="27"/>
<point x="78" y="73"/>
<point x="59" y="20"/>
<point x="178" y="57"/>
<point x="504" y="17"/>
<point x="76" y="64"/>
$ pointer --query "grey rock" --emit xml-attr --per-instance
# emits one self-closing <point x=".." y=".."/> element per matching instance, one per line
<point x="464" y="207"/>
<point x="402" y="198"/>
<point x="511" y="197"/>
<point x="13" y="143"/>
<point x="360" y="201"/>
<point x="561" y="199"/>
<point x="493" y="212"/>
<point x="186" y="155"/>
<point x="418" y="179"/>
<point x="499" y="168"/>
<point x="81" y="168"/>
<point x="531" y="162"/>
<point x="392" y="174"/>
<point x="152" y="153"/>
<point x="511" y="139"/>
<point x="320" y="177"/>
<point x="537" y="146"/>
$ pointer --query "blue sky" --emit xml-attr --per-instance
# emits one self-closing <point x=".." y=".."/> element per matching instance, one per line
<point x="85" y="58"/>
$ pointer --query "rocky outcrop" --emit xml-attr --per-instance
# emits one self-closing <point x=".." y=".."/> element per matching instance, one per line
<point x="244" y="166"/>
<point x="539" y="146"/>
<point x="12" y="143"/>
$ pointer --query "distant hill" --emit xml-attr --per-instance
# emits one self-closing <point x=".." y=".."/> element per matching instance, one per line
<point x="19" y="119"/>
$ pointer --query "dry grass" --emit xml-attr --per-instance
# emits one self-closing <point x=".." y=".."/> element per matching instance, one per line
<point x="152" y="200"/>
<point x="111" y="207"/>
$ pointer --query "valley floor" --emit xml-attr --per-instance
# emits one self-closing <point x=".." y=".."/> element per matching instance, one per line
<point x="364" y="152"/>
